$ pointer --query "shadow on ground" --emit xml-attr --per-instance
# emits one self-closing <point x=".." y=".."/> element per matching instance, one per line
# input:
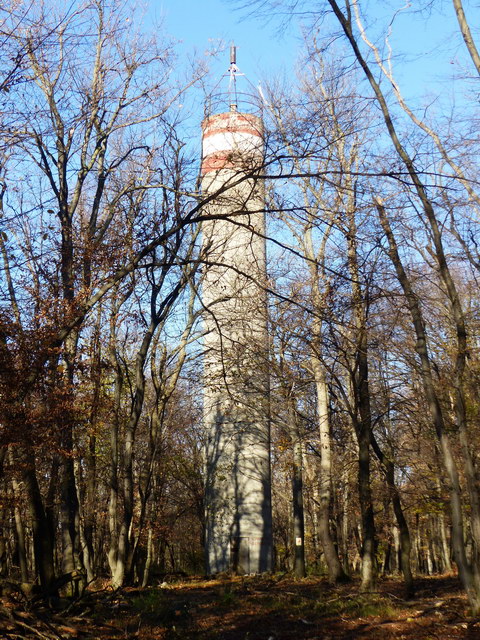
<point x="251" y="608"/>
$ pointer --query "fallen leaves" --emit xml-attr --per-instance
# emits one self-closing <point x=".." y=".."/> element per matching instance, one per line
<point x="253" y="608"/>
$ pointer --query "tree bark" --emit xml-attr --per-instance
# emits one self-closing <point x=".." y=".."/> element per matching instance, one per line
<point x="298" y="512"/>
<point x="43" y="543"/>
<point x="362" y="417"/>
<point x="335" y="569"/>
<point x="468" y="575"/>
<point x="467" y="34"/>
<point x="19" y="526"/>
<point x="404" y="532"/>
<point x="345" y="20"/>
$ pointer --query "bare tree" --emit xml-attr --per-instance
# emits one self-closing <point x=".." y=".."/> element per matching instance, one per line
<point x="93" y="133"/>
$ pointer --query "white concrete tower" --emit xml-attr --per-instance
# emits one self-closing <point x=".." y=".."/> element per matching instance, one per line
<point x="236" y="382"/>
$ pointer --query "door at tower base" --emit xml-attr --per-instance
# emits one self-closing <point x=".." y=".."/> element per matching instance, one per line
<point x="238" y="514"/>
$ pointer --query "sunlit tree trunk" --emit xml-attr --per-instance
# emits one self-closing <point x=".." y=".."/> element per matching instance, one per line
<point x="468" y="575"/>
<point x="114" y="555"/>
<point x="316" y="261"/>
<point x="467" y="34"/>
<point x="362" y="412"/>
<point x="335" y="569"/>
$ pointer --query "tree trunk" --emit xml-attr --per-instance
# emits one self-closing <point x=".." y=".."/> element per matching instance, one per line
<point x="362" y="417"/>
<point x="113" y="501"/>
<point x="404" y="532"/>
<point x="86" y="551"/>
<point x="69" y="503"/>
<point x="397" y="563"/>
<point x="444" y="546"/>
<point x="148" y="561"/>
<point x="3" y="546"/>
<point x="468" y="577"/>
<point x="345" y="523"/>
<point x="43" y="543"/>
<point x="335" y="569"/>
<point x="366" y="507"/>
<point x="19" y="526"/>
<point x="466" y="33"/>
<point x="125" y="545"/>
<point x="298" y="514"/>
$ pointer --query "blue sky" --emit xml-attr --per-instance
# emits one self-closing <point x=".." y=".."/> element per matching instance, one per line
<point x="203" y="24"/>
<point x="429" y="51"/>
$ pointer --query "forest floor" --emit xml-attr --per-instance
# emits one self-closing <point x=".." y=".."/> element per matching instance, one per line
<point x="249" y="608"/>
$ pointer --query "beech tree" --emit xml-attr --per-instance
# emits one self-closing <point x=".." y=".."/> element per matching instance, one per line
<point x="319" y="132"/>
<point x="373" y="232"/>
<point x="94" y="136"/>
<point x="421" y="176"/>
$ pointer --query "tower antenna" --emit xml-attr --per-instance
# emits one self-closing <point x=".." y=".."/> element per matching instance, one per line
<point x="233" y="73"/>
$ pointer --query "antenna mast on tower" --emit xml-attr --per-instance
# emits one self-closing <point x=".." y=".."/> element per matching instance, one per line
<point x="233" y="72"/>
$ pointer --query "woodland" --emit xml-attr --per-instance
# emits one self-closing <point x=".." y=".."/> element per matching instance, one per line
<point x="372" y="213"/>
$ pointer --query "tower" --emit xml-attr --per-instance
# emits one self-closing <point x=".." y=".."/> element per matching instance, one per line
<point x="238" y="514"/>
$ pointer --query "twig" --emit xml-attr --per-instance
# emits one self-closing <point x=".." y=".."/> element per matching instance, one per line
<point x="24" y="625"/>
<point x="52" y="629"/>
